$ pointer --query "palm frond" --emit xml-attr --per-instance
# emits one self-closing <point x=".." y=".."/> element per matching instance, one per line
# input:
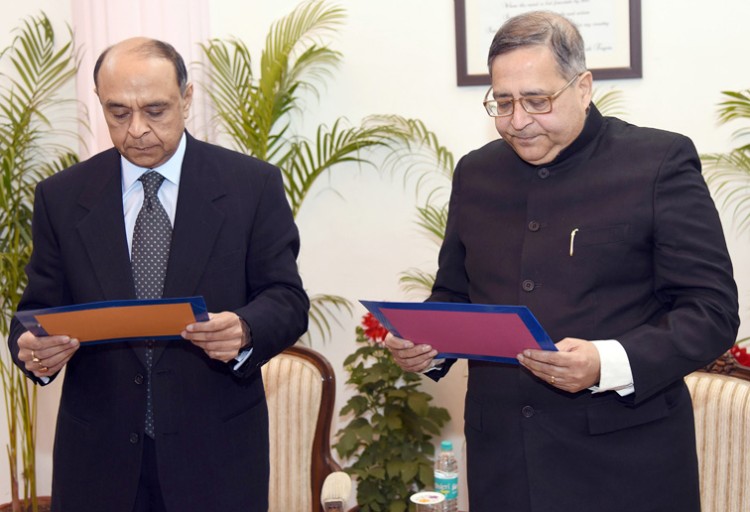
<point x="323" y="307"/>
<point x="610" y="102"/>
<point x="737" y="106"/>
<point x="31" y="114"/>
<point x="29" y="99"/>
<point x="416" y="151"/>
<point x="332" y="147"/>
<point x="433" y="219"/>
<point x="417" y="281"/>
<point x="252" y="108"/>
<point x="233" y="93"/>
<point x="293" y="59"/>
<point x="728" y="176"/>
<point x="295" y="54"/>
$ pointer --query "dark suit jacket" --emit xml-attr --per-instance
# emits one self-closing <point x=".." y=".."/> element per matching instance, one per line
<point x="649" y="268"/>
<point x="235" y="243"/>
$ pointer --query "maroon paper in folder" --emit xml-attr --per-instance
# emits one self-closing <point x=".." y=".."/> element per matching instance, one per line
<point x="473" y="331"/>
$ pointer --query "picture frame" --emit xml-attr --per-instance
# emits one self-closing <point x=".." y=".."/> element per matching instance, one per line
<point x="611" y="30"/>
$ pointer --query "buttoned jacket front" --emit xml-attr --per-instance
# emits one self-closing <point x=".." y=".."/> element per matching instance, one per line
<point x="234" y="242"/>
<point x="617" y="238"/>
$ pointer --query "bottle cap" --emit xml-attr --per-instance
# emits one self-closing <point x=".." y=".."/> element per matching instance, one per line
<point x="427" y="498"/>
<point x="446" y="446"/>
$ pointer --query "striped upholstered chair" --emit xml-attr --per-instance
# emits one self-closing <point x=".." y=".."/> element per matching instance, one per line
<point x="300" y="389"/>
<point x="721" y="402"/>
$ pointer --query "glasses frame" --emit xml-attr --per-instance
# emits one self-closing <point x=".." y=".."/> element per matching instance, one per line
<point x="550" y="98"/>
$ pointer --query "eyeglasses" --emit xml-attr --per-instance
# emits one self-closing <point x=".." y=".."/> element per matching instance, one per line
<point x="531" y="104"/>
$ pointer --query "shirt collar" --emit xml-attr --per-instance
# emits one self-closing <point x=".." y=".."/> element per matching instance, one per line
<point x="170" y="169"/>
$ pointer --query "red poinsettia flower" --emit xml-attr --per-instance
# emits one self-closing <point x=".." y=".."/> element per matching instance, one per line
<point x="740" y="355"/>
<point x="373" y="329"/>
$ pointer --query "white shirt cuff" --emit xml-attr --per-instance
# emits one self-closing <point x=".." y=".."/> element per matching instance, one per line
<point x="242" y="357"/>
<point x="437" y="364"/>
<point x="615" y="372"/>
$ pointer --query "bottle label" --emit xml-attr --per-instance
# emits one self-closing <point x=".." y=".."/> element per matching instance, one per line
<point x="447" y="484"/>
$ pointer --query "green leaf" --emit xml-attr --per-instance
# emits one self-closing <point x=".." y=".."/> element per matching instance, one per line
<point x="397" y="506"/>
<point x="377" y="472"/>
<point x="394" y="468"/>
<point x="409" y="471"/>
<point x="419" y="403"/>
<point x="347" y="443"/>
<point x="427" y="475"/>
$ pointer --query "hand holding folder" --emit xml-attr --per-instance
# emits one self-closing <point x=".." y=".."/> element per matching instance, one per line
<point x="458" y="330"/>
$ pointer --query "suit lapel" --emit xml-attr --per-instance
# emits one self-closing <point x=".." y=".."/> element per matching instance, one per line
<point x="102" y="231"/>
<point x="197" y="223"/>
<point x="103" y="234"/>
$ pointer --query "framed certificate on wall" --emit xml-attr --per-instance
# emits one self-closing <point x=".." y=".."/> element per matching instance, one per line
<point x="611" y="30"/>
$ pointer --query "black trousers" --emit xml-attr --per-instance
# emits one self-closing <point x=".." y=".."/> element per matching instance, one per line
<point x="149" y="498"/>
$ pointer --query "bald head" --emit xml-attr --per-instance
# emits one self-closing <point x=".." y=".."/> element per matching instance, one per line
<point x="145" y="47"/>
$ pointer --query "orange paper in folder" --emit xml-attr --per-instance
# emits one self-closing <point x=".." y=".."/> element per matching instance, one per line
<point x="117" y="320"/>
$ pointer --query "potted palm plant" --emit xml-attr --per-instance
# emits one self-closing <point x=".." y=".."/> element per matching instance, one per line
<point x="33" y="69"/>
<point x="254" y="109"/>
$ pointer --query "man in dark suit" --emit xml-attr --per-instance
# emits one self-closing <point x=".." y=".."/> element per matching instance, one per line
<point x="606" y="231"/>
<point x="230" y="237"/>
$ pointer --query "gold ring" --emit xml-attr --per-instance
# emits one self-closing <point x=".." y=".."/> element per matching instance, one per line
<point x="552" y="379"/>
<point x="34" y="358"/>
<point x="43" y="369"/>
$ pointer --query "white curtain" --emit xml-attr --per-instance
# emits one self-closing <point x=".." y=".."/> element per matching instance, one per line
<point x="98" y="24"/>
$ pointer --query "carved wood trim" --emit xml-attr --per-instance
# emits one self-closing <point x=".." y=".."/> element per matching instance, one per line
<point x="728" y="365"/>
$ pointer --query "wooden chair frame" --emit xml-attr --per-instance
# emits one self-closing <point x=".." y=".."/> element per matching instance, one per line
<point x="728" y="365"/>
<point x="322" y="462"/>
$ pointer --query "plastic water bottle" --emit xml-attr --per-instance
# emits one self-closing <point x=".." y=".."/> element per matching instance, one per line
<point x="446" y="477"/>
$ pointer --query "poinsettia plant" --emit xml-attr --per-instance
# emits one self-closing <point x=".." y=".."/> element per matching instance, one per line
<point x="740" y="352"/>
<point x="393" y="423"/>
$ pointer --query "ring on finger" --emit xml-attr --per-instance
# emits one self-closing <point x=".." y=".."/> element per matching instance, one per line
<point x="34" y="358"/>
<point x="552" y="379"/>
<point x="43" y="369"/>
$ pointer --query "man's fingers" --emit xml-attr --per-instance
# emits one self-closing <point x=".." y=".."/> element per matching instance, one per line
<point x="46" y="366"/>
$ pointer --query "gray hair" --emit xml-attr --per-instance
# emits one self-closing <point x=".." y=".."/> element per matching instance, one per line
<point x="546" y="28"/>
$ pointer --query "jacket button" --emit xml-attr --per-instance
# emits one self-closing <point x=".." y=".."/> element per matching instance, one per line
<point x="543" y="173"/>
<point x="528" y="285"/>
<point x="138" y="378"/>
<point x="534" y="226"/>
<point x="134" y="438"/>
<point x="527" y="411"/>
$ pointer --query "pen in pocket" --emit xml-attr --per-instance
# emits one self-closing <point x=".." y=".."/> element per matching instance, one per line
<point x="573" y="240"/>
